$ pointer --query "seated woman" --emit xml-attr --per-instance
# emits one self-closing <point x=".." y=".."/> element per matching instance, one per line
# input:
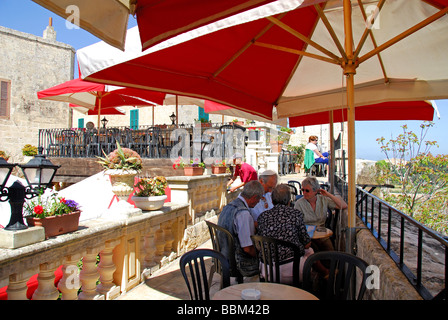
<point x="315" y="204"/>
<point x="285" y="223"/>
<point x="318" y="157"/>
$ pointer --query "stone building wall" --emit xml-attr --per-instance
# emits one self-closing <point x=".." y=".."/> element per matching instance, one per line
<point x="31" y="64"/>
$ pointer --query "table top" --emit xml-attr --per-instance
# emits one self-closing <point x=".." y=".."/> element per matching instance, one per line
<point x="269" y="291"/>
<point x="322" y="234"/>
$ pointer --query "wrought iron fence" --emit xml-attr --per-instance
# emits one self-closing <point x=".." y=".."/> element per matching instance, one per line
<point x="419" y="252"/>
<point x="149" y="141"/>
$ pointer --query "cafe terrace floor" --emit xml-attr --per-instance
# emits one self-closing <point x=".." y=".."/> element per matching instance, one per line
<point x="168" y="283"/>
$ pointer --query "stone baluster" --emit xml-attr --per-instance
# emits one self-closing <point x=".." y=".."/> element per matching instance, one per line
<point x="106" y="269"/>
<point x="159" y="240"/>
<point x="149" y="248"/>
<point x="46" y="290"/>
<point x="69" y="283"/>
<point x="169" y="238"/>
<point x="89" y="276"/>
<point x="17" y="287"/>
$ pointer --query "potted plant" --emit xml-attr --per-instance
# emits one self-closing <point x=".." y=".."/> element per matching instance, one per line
<point x="57" y="215"/>
<point x="4" y="155"/>
<point x="299" y="154"/>
<point x="205" y="123"/>
<point x="277" y="143"/>
<point x="122" y="165"/>
<point x="194" y="167"/>
<point x="219" y="167"/>
<point x="29" y="151"/>
<point x="236" y="121"/>
<point x="150" y="193"/>
<point x="254" y="133"/>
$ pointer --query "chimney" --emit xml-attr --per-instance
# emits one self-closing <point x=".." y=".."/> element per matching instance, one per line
<point x="49" y="33"/>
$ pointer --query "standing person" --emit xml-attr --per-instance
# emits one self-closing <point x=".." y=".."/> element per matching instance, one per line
<point x="237" y="219"/>
<point x="318" y="157"/>
<point x="268" y="180"/>
<point x="285" y="223"/>
<point x="243" y="170"/>
<point x="315" y="204"/>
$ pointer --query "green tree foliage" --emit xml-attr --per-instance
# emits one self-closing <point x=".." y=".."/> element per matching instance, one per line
<point x="420" y="177"/>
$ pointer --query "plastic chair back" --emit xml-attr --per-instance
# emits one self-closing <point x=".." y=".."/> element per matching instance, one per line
<point x="343" y="268"/>
<point x="216" y="233"/>
<point x="196" y="278"/>
<point x="268" y="252"/>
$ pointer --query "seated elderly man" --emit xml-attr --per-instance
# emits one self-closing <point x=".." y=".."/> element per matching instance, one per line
<point x="268" y="180"/>
<point x="237" y="219"/>
<point x="285" y="223"/>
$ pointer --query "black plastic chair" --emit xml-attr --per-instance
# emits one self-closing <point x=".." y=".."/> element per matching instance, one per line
<point x="198" y="273"/>
<point x="217" y="232"/>
<point x="343" y="268"/>
<point x="293" y="192"/>
<point x="296" y="184"/>
<point x="268" y="252"/>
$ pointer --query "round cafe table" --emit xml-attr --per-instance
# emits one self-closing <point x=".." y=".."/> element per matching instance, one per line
<point x="268" y="290"/>
<point x="322" y="234"/>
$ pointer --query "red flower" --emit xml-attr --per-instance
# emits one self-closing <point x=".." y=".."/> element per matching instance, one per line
<point x="38" y="209"/>
<point x="62" y="200"/>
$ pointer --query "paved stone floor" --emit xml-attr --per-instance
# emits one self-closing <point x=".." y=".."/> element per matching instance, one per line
<point x="168" y="283"/>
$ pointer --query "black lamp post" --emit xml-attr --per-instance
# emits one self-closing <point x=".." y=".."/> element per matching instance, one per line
<point x="39" y="173"/>
<point x="173" y="118"/>
<point x="104" y="121"/>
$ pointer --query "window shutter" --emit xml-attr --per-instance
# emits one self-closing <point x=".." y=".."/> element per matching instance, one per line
<point x="134" y="119"/>
<point x="4" y="99"/>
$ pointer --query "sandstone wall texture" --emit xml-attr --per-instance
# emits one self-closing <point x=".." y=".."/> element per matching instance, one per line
<point x="31" y="64"/>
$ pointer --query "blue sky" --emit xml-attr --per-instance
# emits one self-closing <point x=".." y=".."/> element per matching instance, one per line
<point x="27" y="16"/>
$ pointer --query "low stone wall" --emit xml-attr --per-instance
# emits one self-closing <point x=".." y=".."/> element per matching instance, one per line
<point x="74" y="170"/>
<point x="393" y="284"/>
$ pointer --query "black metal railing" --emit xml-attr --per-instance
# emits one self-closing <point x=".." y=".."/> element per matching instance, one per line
<point x="149" y="141"/>
<point x="419" y="252"/>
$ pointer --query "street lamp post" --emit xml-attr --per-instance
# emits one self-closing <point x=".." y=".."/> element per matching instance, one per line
<point x="39" y="173"/>
<point x="173" y="118"/>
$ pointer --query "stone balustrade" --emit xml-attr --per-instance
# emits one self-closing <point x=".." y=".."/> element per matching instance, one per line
<point x="116" y="255"/>
<point x="202" y="193"/>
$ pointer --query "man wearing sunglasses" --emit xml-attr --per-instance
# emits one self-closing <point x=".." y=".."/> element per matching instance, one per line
<point x="314" y="205"/>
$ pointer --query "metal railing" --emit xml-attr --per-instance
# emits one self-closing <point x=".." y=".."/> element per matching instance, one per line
<point x="419" y="252"/>
<point x="148" y="141"/>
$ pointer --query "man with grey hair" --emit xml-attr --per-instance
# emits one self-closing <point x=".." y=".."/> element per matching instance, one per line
<point x="285" y="223"/>
<point x="237" y="219"/>
<point x="243" y="170"/>
<point x="268" y="180"/>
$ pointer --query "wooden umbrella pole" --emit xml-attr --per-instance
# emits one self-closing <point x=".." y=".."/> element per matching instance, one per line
<point x="350" y="71"/>
<point x="332" y="153"/>
<point x="99" y="113"/>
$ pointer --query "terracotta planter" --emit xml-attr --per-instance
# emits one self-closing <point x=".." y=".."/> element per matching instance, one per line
<point x="193" y="171"/>
<point x="149" y="203"/>
<point x="276" y="147"/>
<point x="56" y="225"/>
<point x="218" y="170"/>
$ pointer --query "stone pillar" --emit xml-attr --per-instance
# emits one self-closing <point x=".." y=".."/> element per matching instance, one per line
<point x="106" y="269"/>
<point x="17" y="287"/>
<point x="69" y="283"/>
<point x="89" y="276"/>
<point x="46" y="289"/>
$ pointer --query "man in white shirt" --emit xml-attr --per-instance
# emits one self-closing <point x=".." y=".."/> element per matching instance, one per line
<point x="268" y="180"/>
